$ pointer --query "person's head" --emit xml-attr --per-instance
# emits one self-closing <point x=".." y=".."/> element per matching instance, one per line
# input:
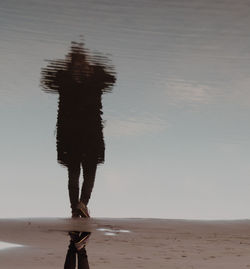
<point x="78" y="62"/>
<point x="77" y="58"/>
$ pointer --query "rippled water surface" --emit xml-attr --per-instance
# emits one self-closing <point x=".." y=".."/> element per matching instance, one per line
<point x="177" y="121"/>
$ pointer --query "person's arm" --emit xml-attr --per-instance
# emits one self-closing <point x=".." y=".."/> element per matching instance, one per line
<point x="105" y="79"/>
<point x="51" y="79"/>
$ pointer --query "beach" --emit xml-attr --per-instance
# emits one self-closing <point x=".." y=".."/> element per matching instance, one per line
<point x="128" y="243"/>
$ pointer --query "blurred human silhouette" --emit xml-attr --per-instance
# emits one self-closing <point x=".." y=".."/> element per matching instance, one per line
<point x="80" y="80"/>
<point x="78" y="241"/>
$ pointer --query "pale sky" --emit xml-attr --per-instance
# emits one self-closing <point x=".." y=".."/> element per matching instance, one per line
<point x="177" y="123"/>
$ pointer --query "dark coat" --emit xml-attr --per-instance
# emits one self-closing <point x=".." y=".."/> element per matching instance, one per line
<point x="79" y="120"/>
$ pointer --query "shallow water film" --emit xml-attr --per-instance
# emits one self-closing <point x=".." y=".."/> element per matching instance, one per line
<point x="125" y="109"/>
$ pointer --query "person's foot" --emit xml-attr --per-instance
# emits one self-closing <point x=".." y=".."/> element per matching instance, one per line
<point x="75" y="214"/>
<point x="82" y="240"/>
<point x="83" y="210"/>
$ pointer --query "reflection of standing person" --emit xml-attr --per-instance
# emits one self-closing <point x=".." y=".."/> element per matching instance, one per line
<point x="80" y="142"/>
<point x="77" y="249"/>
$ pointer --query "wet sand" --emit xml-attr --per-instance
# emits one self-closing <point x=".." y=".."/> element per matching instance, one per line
<point x="129" y="243"/>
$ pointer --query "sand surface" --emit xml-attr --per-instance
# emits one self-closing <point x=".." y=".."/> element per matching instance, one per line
<point x="129" y="243"/>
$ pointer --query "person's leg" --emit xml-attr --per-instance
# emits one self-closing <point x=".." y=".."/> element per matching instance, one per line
<point x="70" y="261"/>
<point x="89" y="166"/>
<point x="82" y="259"/>
<point x="73" y="185"/>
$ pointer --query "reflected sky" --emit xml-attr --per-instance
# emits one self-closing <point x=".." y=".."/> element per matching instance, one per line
<point x="5" y="245"/>
<point x="176" y="125"/>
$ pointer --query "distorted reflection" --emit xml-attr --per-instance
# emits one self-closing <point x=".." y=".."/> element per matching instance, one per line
<point x="80" y="80"/>
<point x="77" y="251"/>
